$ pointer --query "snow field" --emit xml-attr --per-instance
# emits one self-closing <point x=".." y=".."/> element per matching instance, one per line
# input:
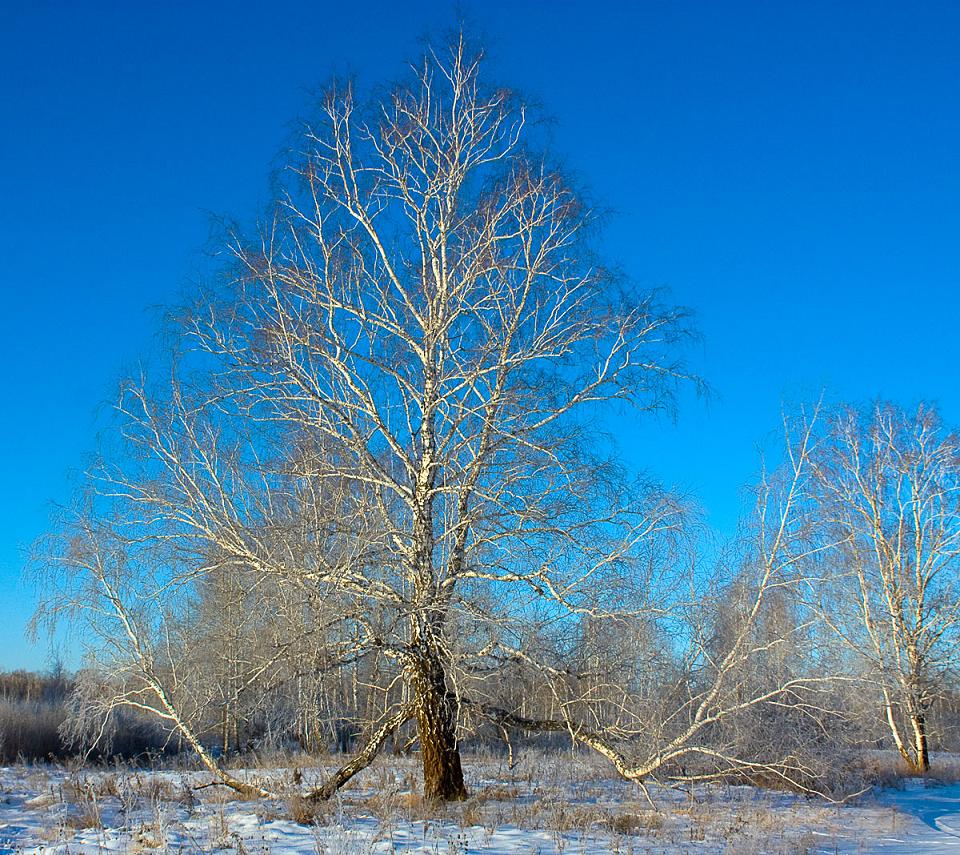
<point x="548" y="804"/>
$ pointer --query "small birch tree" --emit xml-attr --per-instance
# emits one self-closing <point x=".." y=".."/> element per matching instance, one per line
<point x="887" y="492"/>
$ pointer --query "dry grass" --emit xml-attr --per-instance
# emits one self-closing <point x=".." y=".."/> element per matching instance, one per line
<point x="633" y="824"/>
<point x="536" y="796"/>
<point x="307" y="811"/>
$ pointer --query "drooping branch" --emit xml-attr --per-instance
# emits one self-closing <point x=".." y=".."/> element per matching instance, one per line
<point x="364" y="757"/>
<point x="788" y="770"/>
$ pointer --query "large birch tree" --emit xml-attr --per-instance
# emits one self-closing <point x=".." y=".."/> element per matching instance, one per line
<point x="391" y="402"/>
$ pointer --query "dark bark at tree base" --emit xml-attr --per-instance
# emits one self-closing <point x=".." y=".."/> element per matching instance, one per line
<point x="436" y="730"/>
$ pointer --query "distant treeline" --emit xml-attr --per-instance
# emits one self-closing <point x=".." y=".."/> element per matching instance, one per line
<point x="34" y="708"/>
<point x="39" y="717"/>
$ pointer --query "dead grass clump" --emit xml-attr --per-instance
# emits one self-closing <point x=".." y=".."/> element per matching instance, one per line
<point x="54" y="833"/>
<point x="83" y="804"/>
<point x="220" y="794"/>
<point x="301" y="810"/>
<point x="160" y="789"/>
<point x="412" y="806"/>
<point x="633" y="824"/>
<point x="496" y="793"/>
<point x="86" y="817"/>
<point x="145" y="838"/>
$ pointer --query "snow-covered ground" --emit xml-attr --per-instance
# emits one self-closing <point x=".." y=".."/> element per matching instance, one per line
<point x="548" y="804"/>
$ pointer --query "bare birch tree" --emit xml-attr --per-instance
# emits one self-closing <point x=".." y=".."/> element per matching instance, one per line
<point x="887" y="491"/>
<point x="392" y="406"/>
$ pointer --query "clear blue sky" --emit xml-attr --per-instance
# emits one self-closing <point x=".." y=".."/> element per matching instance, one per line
<point x="789" y="170"/>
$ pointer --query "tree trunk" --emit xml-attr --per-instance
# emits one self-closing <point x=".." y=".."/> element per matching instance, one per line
<point x="225" y="731"/>
<point x="436" y="728"/>
<point x="921" y="750"/>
